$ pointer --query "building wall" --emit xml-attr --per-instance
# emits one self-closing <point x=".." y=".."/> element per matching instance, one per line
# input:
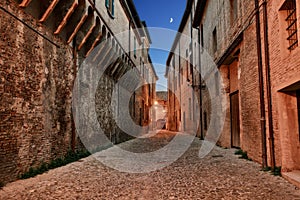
<point x="285" y="71"/>
<point x="182" y="100"/>
<point x="38" y="66"/>
<point x="36" y="82"/>
<point x="238" y="69"/>
<point x="161" y="105"/>
<point x="238" y="66"/>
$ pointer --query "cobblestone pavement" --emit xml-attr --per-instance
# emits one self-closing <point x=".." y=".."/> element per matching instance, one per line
<point x="220" y="175"/>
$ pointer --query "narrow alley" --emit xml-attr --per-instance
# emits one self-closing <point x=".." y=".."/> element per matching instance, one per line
<point x="130" y="99"/>
<point x="220" y="175"/>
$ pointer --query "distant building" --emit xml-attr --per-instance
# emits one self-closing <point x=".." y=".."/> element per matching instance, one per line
<point x="161" y="106"/>
<point x="182" y="103"/>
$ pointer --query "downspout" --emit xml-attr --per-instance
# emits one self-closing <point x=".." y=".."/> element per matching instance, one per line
<point x="261" y="87"/>
<point x="200" y="86"/>
<point x="268" y="84"/>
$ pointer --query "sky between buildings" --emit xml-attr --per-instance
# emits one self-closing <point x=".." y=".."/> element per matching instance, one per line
<point x="161" y="15"/>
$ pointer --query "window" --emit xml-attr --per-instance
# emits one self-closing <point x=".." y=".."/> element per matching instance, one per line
<point x="215" y="42"/>
<point x="134" y="47"/>
<point x="290" y="7"/>
<point x="110" y="5"/>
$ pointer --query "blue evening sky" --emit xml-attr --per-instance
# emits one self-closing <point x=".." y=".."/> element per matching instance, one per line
<point x="158" y="13"/>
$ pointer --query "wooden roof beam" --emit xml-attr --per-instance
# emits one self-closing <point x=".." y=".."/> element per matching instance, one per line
<point x="67" y="17"/>
<point x="87" y="36"/>
<point x="49" y="10"/>
<point x="94" y="44"/>
<point x="82" y="20"/>
<point x="24" y="3"/>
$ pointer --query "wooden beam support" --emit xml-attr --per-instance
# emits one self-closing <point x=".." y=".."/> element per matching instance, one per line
<point x="24" y="3"/>
<point x="87" y="36"/>
<point x="94" y="44"/>
<point x="82" y="20"/>
<point x="67" y="17"/>
<point x="49" y="10"/>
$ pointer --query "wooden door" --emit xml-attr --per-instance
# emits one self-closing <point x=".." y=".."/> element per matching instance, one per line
<point x="235" y="119"/>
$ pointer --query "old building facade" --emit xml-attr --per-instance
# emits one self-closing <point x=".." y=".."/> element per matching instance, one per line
<point x="161" y="108"/>
<point x="179" y="72"/>
<point x="254" y="45"/>
<point x="43" y="44"/>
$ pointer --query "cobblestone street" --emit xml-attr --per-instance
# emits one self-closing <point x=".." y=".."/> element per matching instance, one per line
<point x="220" y="175"/>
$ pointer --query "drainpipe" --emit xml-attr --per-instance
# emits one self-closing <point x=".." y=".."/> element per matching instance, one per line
<point x="261" y="88"/>
<point x="200" y="86"/>
<point x="268" y="83"/>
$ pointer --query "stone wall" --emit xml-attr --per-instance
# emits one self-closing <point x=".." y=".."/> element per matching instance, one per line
<point x="40" y="56"/>
<point x="36" y="79"/>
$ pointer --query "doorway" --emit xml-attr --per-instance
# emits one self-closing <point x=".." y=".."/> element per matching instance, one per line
<point x="235" y="119"/>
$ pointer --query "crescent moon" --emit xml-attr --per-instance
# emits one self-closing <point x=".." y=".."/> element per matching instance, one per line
<point x="171" y="20"/>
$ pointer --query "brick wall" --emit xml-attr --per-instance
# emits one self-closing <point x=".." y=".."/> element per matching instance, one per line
<point x="37" y="71"/>
<point x="285" y="71"/>
<point x="36" y="79"/>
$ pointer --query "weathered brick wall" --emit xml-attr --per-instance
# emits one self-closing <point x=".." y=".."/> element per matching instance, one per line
<point x="249" y="96"/>
<point x="36" y="80"/>
<point x="285" y="71"/>
<point x="218" y="16"/>
<point x="37" y="71"/>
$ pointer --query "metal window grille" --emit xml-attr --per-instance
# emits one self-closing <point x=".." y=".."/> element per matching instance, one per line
<point x="291" y="19"/>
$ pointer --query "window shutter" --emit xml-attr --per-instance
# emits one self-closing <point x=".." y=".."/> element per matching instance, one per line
<point x="113" y="8"/>
<point x="107" y="3"/>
